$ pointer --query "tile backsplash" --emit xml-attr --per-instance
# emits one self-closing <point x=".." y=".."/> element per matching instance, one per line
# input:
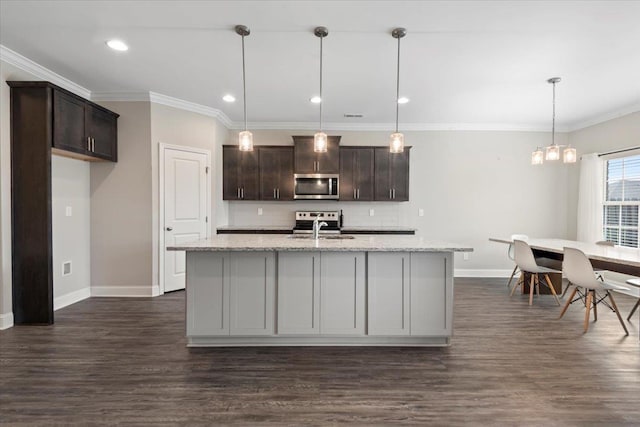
<point x="355" y="213"/>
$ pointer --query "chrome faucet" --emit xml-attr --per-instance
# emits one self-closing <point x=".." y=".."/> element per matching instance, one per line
<point x="317" y="225"/>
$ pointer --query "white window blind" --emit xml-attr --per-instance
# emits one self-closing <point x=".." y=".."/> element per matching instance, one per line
<point x="622" y="199"/>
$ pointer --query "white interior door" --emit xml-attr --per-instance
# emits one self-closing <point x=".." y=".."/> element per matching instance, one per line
<point x="185" y="209"/>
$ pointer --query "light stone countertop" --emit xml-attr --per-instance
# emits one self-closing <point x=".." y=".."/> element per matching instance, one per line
<point x="345" y="229"/>
<point x="365" y="243"/>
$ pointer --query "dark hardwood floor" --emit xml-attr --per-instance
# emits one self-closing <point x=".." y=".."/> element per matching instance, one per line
<point x="124" y="361"/>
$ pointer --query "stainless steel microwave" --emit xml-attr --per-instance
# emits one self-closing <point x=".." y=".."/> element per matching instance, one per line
<point x="315" y="186"/>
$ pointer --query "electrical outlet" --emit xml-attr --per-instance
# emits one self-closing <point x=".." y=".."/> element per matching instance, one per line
<point x="66" y="268"/>
<point x="68" y="211"/>
<point x="371" y="212"/>
<point x="259" y="211"/>
<point x="420" y="212"/>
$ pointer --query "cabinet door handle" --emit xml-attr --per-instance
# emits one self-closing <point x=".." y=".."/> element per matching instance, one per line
<point x="390" y="194"/>
<point x="394" y="193"/>
<point x="318" y="168"/>
<point x="278" y="192"/>
<point x="354" y="193"/>
<point x="242" y="193"/>
<point x="238" y="192"/>
<point x="274" y="193"/>
<point x="93" y="145"/>
<point x="358" y="193"/>
<point x="88" y="143"/>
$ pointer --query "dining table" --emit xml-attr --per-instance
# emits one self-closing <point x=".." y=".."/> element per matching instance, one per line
<point x="612" y="258"/>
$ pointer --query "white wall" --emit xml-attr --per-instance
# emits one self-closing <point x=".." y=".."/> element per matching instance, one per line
<point x="71" y="238"/>
<point x="472" y="185"/>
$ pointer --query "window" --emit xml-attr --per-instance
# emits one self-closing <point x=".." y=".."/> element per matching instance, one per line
<point x="622" y="199"/>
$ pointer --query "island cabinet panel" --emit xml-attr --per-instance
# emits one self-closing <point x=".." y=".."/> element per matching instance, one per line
<point x="252" y="288"/>
<point x="207" y="294"/>
<point x="342" y="293"/>
<point x="276" y="173"/>
<point x="308" y="161"/>
<point x="389" y="295"/>
<point x="298" y="293"/>
<point x="356" y="173"/>
<point x="240" y="174"/>
<point x="391" y="173"/>
<point x="431" y="293"/>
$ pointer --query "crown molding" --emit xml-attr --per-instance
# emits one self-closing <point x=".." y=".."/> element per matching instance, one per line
<point x="10" y="57"/>
<point x="630" y="109"/>
<point x="121" y="96"/>
<point x="389" y="127"/>
<point x="191" y="106"/>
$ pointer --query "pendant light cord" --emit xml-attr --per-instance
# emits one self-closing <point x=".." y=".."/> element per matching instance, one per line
<point x="244" y="87"/>
<point x="321" y="99"/>
<point x="398" y="86"/>
<point x="553" y="119"/>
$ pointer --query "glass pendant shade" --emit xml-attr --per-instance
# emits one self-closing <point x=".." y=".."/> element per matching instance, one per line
<point x="569" y="155"/>
<point x="320" y="142"/>
<point x="553" y="152"/>
<point x="245" y="141"/>
<point x="396" y="145"/>
<point x="537" y="158"/>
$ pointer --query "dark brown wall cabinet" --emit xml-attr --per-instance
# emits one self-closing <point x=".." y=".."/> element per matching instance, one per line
<point x="356" y="173"/>
<point x="276" y="173"/>
<point x="240" y="174"/>
<point x="83" y="128"/>
<point x="44" y="118"/>
<point x="308" y="161"/>
<point x="391" y="173"/>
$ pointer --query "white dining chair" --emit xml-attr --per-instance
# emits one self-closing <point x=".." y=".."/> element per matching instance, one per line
<point x="578" y="269"/>
<point x="526" y="262"/>
<point x="634" y="282"/>
<point x="511" y="254"/>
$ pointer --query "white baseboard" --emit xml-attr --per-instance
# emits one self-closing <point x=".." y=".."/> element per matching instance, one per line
<point x="71" y="298"/>
<point x="6" y="321"/>
<point x="482" y="273"/>
<point x="125" y="291"/>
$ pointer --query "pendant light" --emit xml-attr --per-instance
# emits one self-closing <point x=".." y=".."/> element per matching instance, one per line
<point x="552" y="152"/>
<point x="245" y="138"/>
<point x="396" y="144"/>
<point x="320" y="138"/>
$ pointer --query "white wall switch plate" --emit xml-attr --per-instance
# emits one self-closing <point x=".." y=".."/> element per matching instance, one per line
<point x="371" y="212"/>
<point x="259" y="211"/>
<point x="68" y="211"/>
<point x="465" y="256"/>
<point x="420" y="212"/>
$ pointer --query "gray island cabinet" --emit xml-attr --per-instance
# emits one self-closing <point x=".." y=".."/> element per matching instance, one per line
<point x="263" y="290"/>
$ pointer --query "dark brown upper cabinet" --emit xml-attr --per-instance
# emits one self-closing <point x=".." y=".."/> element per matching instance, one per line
<point x="240" y="174"/>
<point x="276" y="173"/>
<point x="85" y="129"/>
<point x="45" y="119"/>
<point x="308" y="161"/>
<point x="356" y="173"/>
<point x="391" y="171"/>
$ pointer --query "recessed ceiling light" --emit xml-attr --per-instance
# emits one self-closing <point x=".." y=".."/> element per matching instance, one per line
<point x="403" y="100"/>
<point x="316" y="99"/>
<point x="118" y="45"/>
<point x="229" y="98"/>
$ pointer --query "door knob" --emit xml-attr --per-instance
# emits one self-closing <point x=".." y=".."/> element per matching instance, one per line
<point x="169" y="228"/>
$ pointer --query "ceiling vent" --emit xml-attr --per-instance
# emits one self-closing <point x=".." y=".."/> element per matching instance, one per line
<point x="354" y="115"/>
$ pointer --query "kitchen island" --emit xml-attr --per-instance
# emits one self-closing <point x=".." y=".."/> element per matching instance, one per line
<point x="268" y="290"/>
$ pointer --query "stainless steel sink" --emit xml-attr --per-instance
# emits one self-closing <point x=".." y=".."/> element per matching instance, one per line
<point x="324" y="236"/>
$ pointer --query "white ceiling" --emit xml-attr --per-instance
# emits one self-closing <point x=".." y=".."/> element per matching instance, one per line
<point x="475" y="64"/>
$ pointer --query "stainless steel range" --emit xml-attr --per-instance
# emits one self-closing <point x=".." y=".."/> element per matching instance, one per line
<point x="304" y="221"/>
